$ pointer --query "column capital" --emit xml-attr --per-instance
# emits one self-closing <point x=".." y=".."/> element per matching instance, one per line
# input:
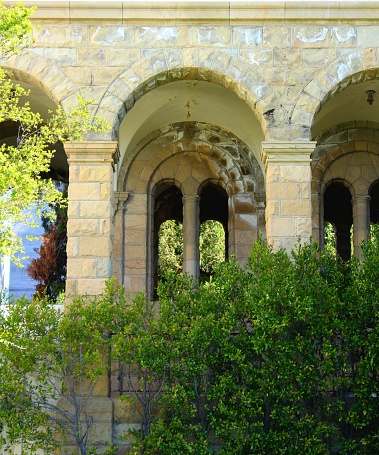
<point x="363" y="198"/>
<point x="287" y="152"/>
<point x="92" y="152"/>
<point x="190" y="197"/>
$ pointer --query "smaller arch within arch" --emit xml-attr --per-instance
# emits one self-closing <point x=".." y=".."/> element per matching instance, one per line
<point x="214" y="203"/>
<point x="356" y="164"/>
<point x="238" y="169"/>
<point x="167" y="202"/>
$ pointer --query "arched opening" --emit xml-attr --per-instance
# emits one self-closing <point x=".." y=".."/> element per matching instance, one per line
<point x="167" y="231"/>
<point x="191" y="133"/>
<point x="338" y="211"/>
<point x="346" y="150"/>
<point x="18" y="282"/>
<point x="214" y="206"/>
<point x="170" y="248"/>
<point x="214" y="235"/>
<point x="212" y="247"/>
<point x="189" y="101"/>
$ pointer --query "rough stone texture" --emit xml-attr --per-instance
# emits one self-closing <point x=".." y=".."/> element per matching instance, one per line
<point x="289" y="209"/>
<point x="283" y="64"/>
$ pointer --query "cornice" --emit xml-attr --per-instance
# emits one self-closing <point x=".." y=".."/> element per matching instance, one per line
<point x="190" y="12"/>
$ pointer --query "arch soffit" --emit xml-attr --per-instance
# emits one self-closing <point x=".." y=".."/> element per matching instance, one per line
<point x="214" y="143"/>
<point x="170" y="65"/>
<point x="36" y="70"/>
<point x="356" y="182"/>
<point x="351" y="68"/>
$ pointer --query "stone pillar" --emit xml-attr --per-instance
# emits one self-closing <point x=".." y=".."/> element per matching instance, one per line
<point x="90" y="216"/>
<point x="242" y="226"/>
<point x="288" y="195"/>
<point x="191" y="234"/>
<point x="361" y="221"/>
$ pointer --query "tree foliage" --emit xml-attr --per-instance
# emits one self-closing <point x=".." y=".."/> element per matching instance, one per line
<point x="170" y="247"/>
<point x="279" y="358"/>
<point x="22" y="189"/>
<point x="49" y="267"/>
<point x="50" y="365"/>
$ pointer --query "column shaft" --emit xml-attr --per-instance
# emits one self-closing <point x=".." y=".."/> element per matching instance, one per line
<point x="191" y="233"/>
<point x="361" y="221"/>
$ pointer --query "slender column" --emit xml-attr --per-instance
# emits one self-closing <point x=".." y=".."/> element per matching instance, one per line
<point x="191" y="232"/>
<point x="118" y="244"/>
<point x="288" y="195"/>
<point x="361" y="221"/>
<point x="90" y="216"/>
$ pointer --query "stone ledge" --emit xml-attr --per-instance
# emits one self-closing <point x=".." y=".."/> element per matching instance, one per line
<point x="289" y="152"/>
<point x="197" y="12"/>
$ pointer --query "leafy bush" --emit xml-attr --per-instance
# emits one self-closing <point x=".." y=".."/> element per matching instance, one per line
<point x="279" y="358"/>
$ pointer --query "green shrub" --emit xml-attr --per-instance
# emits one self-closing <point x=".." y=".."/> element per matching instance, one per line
<point x="279" y="358"/>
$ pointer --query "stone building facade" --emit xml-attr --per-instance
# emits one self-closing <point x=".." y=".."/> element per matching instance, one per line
<point x="262" y="116"/>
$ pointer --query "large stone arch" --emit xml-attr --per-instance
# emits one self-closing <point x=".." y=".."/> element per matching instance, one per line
<point x="40" y="72"/>
<point x="188" y="156"/>
<point x="169" y="65"/>
<point x="351" y="68"/>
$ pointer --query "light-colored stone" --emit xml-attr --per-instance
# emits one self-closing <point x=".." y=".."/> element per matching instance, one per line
<point x="311" y="37"/>
<point x="287" y="57"/>
<point x="276" y="37"/>
<point x="94" y="174"/>
<point x="216" y="36"/>
<point x="297" y="173"/>
<point x="285" y="191"/>
<point x="318" y="57"/>
<point x="63" y="56"/>
<point x="112" y="35"/>
<point x="82" y="226"/>
<point x="94" y="246"/>
<point x="259" y="57"/>
<point x="343" y="36"/>
<point x="88" y="191"/>
<point x="93" y="286"/>
<point x="296" y="208"/>
<point x="283" y="227"/>
<point x="246" y="36"/>
<point x="84" y="268"/>
<point x="92" y="209"/>
<point x="92" y="56"/>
